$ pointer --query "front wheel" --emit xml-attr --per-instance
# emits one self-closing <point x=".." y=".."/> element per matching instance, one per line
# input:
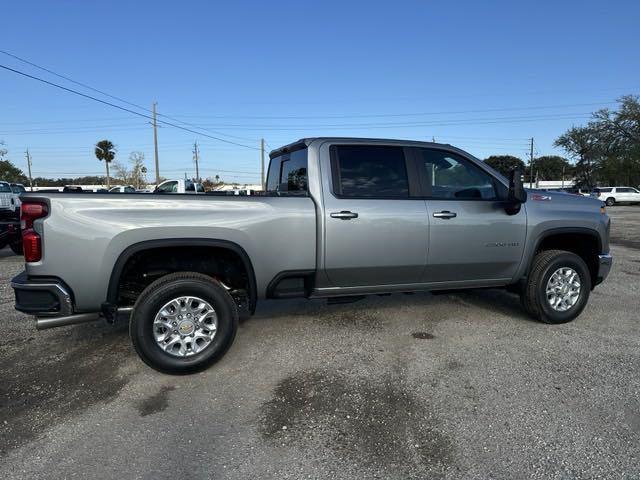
<point x="557" y="288"/>
<point x="183" y="322"/>
<point x="610" y="202"/>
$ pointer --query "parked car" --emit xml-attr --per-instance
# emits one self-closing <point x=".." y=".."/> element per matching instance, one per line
<point x="613" y="195"/>
<point x="17" y="189"/>
<point x="340" y="218"/>
<point x="179" y="186"/>
<point x="123" y="189"/>
<point x="7" y="201"/>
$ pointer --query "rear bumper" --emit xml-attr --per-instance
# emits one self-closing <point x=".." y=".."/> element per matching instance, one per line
<point x="42" y="297"/>
<point x="605" y="262"/>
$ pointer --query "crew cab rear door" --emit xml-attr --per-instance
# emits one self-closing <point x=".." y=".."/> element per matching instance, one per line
<point x="471" y="237"/>
<point x="376" y="233"/>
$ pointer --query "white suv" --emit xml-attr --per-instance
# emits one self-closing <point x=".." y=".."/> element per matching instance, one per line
<point x="613" y="195"/>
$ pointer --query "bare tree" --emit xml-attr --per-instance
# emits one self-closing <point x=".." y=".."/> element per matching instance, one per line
<point x="138" y="170"/>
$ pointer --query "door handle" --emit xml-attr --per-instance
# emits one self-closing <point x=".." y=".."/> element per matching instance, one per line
<point x="446" y="214"/>
<point x="344" y="215"/>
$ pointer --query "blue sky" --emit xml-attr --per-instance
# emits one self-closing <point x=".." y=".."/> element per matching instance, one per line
<point x="484" y="76"/>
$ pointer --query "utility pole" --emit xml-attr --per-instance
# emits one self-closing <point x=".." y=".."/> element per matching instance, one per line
<point x="531" y="165"/>
<point x="28" y="155"/>
<point x="195" y="157"/>
<point x="155" y="143"/>
<point x="262" y="164"/>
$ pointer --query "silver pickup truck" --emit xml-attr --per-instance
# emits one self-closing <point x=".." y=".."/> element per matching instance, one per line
<point x="340" y="217"/>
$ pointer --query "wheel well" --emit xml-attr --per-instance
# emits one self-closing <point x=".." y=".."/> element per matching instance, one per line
<point x="584" y="245"/>
<point x="143" y="267"/>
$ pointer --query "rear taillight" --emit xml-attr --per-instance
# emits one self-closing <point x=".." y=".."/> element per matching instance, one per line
<point x="31" y="243"/>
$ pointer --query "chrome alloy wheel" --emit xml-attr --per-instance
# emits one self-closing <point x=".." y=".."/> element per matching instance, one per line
<point x="185" y="326"/>
<point x="563" y="289"/>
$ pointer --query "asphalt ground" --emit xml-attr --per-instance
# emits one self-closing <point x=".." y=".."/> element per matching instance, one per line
<point x="462" y="385"/>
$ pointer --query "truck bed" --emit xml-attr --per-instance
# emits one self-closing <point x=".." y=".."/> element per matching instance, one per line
<point x="84" y="234"/>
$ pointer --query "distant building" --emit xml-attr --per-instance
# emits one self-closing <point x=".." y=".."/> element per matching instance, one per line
<point x="552" y="184"/>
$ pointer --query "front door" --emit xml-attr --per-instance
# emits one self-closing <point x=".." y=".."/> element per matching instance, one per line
<point x="375" y="233"/>
<point x="471" y="237"/>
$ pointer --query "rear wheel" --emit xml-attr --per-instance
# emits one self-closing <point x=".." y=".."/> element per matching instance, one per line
<point x="183" y="323"/>
<point x="610" y="202"/>
<point x="558" y="287"/>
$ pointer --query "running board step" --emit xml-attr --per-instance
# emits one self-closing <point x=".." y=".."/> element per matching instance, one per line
<point x="345" y="299"/>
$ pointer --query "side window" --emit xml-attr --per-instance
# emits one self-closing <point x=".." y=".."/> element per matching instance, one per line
<point x="129" y="190"/>
<point x="288" y="173"/>
<point x="369" y="171"/>
<point x="623" y="190"/>
<point x="448" y="176"/>
<point x="169" y="187"/>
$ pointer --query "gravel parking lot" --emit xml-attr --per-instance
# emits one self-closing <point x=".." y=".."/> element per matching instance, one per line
<point x="423" y="386"/>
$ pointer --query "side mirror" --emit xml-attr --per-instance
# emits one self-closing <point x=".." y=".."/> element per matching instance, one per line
<point x="517" y="195"/>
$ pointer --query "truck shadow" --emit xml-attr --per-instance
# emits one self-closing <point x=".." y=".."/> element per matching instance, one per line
<point x="487" y="300"/>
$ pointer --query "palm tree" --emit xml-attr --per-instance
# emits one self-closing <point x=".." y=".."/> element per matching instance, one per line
<point x="105" y="150"/>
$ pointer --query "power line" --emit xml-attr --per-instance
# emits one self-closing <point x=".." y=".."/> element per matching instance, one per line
<point x="387" y="115"/>
<point x="123" y="108"/>
<point x="399" y="124"/>
<point x="73" y="81"/>
<point x="101" y="92"/>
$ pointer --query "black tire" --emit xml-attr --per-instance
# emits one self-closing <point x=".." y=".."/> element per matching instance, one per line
<point x="16" y="247"/>
<point x="163" y="290"/>
<point x="610" y="202"/>
<point x="533" y="296"/>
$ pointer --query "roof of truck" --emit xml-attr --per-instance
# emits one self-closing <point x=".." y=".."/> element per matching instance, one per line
<point x="304" y="142"/>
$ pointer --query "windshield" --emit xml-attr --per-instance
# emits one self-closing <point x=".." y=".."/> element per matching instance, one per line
<point x="17" y="188"/>
<point x="5" y="188"/>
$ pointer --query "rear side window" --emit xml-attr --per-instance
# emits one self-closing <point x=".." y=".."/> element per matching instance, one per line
<point x="169" y="187"/>
<point x="602" y="190"/>
<point x="369" y="171"/>
<point x="288" y="173"/>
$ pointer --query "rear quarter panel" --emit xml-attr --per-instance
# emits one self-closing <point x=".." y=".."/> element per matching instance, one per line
<point x="84" y="235"/>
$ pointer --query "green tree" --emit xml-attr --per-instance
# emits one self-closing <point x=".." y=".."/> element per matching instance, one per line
<point x="552" y="167"/>
<point x="581" y="144"/>
<point x="10" y="173"/>
<point x="607" y="149"/>
<point x="505" y="163"/>
<point x="105" y="150"/>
